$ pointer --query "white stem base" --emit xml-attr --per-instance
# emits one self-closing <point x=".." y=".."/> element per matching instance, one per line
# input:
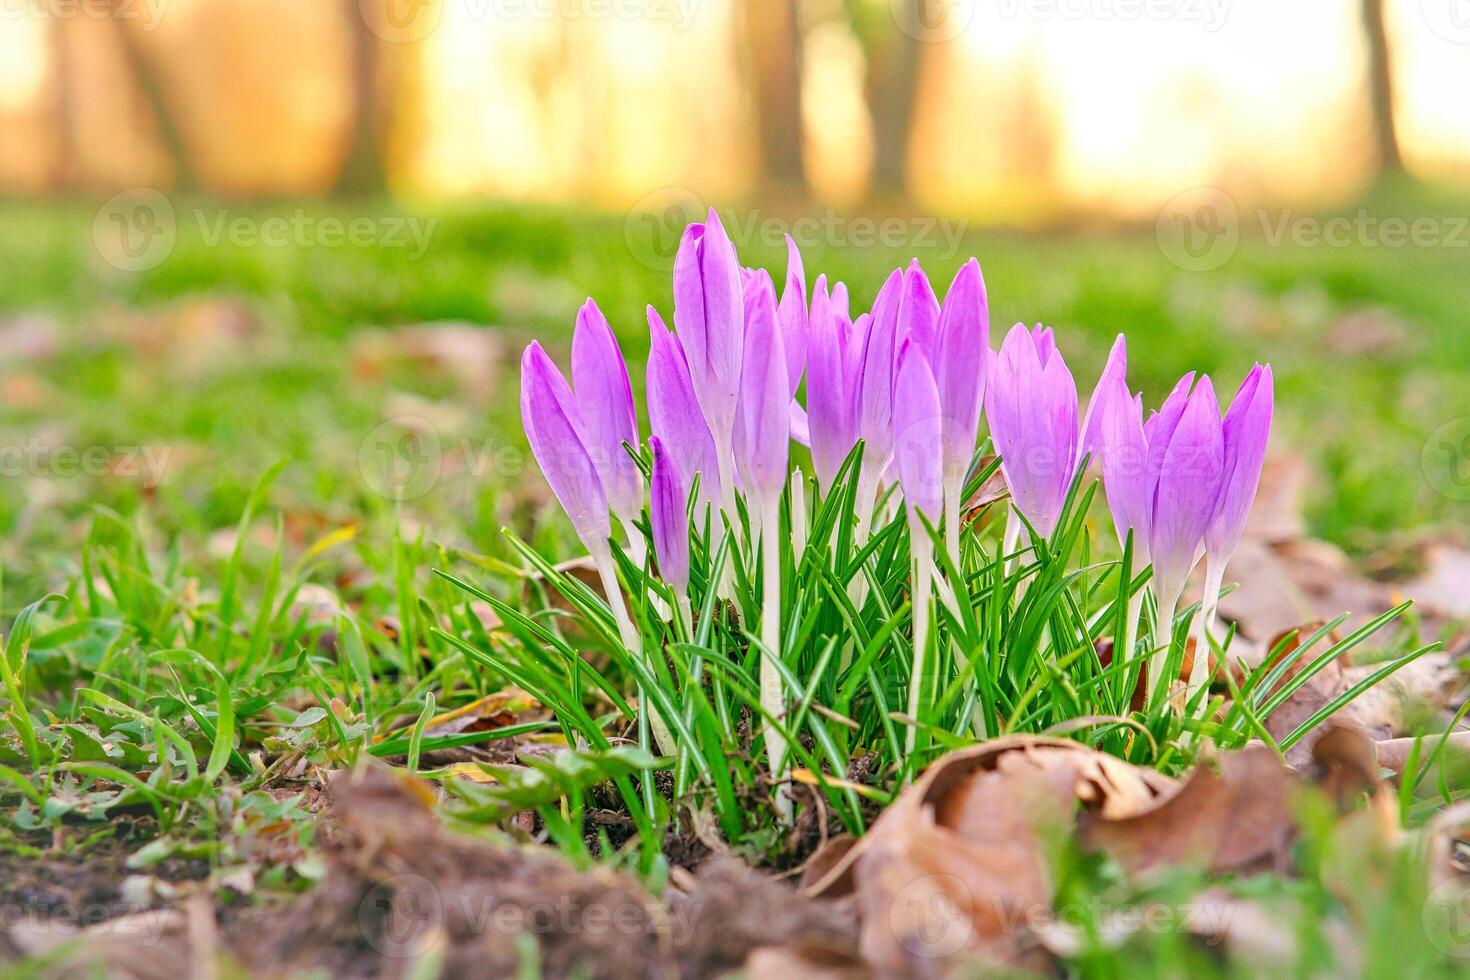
<point x="634" y="645"/>
<point x="923" y="549"/>
<point x="773" y="698"/>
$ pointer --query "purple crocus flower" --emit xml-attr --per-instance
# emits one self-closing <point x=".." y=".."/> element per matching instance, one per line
<point x="1092" y="419"/>
<point x="831" y="407"/>
<point x="918" y="310"/>
<point x="668" y="499"/>
<point x="559" y="442"/>
<point x="709" y="319"/>
<point x="792" y="315"/>
<point x="961" y="369"/>
<point x="1192" y="456"/>
<point x="1032" y="406"/>
<point x="840" y="301"/>
<point x="874" y="379"/>
<point x="917" y="434"/>
<point x="605" y="400"/>
<point x="763" y="418"/>
<point x="1246" y="430"/>
<point x="1123" y="454"/>
<point x="674" y="415"/>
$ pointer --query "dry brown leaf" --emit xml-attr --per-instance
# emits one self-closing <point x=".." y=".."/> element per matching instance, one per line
<point x="471" y="355"/>
<point x="1230" y="813"/>
<point x="1444" y="587"/>
<point x="952" y="867"/>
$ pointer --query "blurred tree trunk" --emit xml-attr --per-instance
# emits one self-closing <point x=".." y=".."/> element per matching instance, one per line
<point x="893" y="73"/>
<point x="60" y="55"/>
<point x="149" y="84"/>
<point x="1380" y="87"/>
<point x="773" y="42"/>
<point x="363" y="171"/>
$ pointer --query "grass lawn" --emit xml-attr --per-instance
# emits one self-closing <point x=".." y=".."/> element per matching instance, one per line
<point x="229" y="478"/>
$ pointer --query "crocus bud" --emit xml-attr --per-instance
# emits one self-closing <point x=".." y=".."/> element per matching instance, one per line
<point x="559" y="443"/>
<point x="674" y="415"/>
<point x="874" y="381"/>
<point x="1092" y="419"/>
<point x="831" y="406"/>
<point x="1122" y="451"/>
<point x="918" y="310"/>
<point x="917" y="431"/>
<point x="1032" y="405"/>
<point x="1247" y="429"/>
<point x="605" y="401"/>
<point x="792" y="315"/>
<point x="961" y="368"/>
<point x="708" y="316"/>
<point x="1189" y="486"/>
<point x="763" y="419"/>
<point x="668" y="503"/>
<point x="840" y="301"/>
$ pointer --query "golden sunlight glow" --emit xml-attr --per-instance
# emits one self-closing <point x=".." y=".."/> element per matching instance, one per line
<point x="1031" y="111"/>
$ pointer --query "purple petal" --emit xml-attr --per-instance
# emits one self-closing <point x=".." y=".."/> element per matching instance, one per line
<point x="874" y="382"/>
<point x="918" y="310"/>
<point x="558" y="442"/>
<point x="1122" y="452"/>
<point x="792" y="314"/>
<point x="1159" y="428"/>
<point x="605" y="402"/>
<point x="840" y="301"/>
<point x="668" y="503"/>
<point x="763" y="417"/>
<point x="917" y="430"/>
<point x="1116" y="368"/>
<point x="708" y="316"/>
<point x="829" y="395"/>
<point x="1033" y="420"/>
<point x="1188" y="488"/>
<point x="1247" y="429"/>
<point x="962" y="364"/>
<point x="1046" y="342"/>
<point x="673" y="412"/>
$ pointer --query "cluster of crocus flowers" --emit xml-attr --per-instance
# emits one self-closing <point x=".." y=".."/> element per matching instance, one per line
<point x="910" y="381"/>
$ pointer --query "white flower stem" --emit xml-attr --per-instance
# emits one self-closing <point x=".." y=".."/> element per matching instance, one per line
<point x="1209" y="606"/>
<point x="1130" y="627"/>
<point x="1163" y="640"/>
<point x="1011" y="538"/>
<point x="798" y="514"/>
<point x="638" y="554"/>
<point x="952" y="491"/>
<point x="773" y="699"/>
<point x="632" y="642"/>
<point x="923" y="549"/>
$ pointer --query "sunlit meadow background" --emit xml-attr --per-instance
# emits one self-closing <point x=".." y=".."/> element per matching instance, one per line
<point x="317" y="233"/>
<point x="222" y="219"/>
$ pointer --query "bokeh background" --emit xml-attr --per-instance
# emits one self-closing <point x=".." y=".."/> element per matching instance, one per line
<point x="237" y="231"/>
